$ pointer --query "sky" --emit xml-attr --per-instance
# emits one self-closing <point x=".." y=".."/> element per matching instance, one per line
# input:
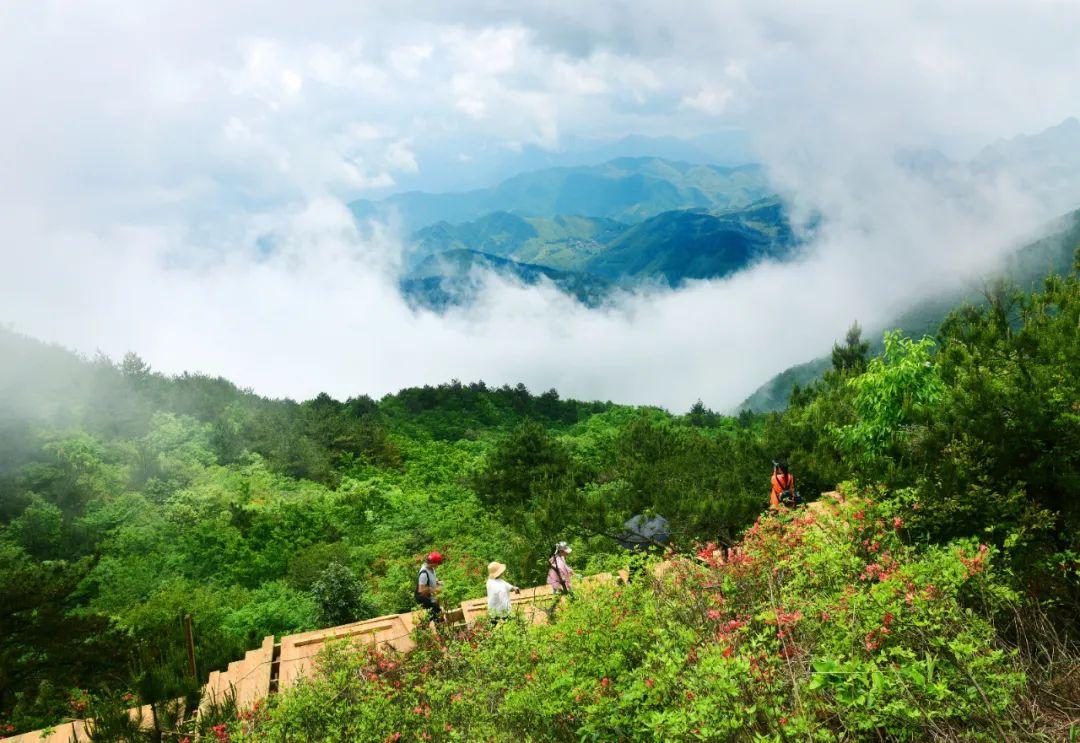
<point x="148" y="149"/>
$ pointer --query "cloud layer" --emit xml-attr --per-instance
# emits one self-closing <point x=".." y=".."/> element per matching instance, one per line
<point x="175" y="176"/>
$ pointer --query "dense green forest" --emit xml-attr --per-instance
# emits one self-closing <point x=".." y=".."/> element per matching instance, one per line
<point x="129" y="498"/>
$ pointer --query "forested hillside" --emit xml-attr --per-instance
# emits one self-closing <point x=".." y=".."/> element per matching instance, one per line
<point x="457" y="277"/>
<point x="588" y="257"/>
<point x="128" y="498"/>
<point x="938" y="601"/>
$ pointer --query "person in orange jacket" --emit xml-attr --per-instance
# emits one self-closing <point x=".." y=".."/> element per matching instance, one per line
<point x="783" y="486"/>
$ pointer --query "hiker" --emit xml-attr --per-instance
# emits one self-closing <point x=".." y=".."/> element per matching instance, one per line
<point x="428" y="585"/>
<point x="498" y="592"/>
<point x="783" y="486"/>
<point x="559" y="575"/>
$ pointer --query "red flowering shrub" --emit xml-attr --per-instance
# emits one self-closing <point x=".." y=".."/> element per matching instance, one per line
<point x="822" y="623"/>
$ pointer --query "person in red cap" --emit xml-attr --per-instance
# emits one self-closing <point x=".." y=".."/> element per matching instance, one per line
<point x="427" y="586"/>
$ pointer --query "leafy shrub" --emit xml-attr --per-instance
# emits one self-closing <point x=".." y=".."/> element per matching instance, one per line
<point x="818" y="627"/>
<point x="340" y="597"/>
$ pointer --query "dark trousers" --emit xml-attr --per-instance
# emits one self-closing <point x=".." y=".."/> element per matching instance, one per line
<point x="431" y="604"/>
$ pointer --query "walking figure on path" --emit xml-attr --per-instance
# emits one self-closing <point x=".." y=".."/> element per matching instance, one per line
<point x="559" y="575"/>
<point x="498" y="592"/>
<point x="427" y="586"/>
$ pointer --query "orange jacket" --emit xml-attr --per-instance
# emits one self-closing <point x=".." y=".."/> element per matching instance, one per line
<point x="780" y="483"/>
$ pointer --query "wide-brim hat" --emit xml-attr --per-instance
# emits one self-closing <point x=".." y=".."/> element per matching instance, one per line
<point x="495" y="569"/>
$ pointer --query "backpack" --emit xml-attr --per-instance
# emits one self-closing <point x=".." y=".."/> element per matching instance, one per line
<point x="789" y="496"/>
<point x="432" y="583"/>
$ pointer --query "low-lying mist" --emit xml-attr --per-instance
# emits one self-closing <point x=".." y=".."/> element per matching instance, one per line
<point x="322" y="311"/>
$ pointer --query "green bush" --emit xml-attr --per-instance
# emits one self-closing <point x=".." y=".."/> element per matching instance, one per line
<point x="821" y="627"/>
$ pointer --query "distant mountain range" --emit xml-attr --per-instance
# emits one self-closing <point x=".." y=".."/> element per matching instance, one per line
<point x="457" y="276"/>
<point x="626" y="189"/>
<point x="627" y="223"/>
<point x="633" y="222"/>
<point x="469" y="162"/>
<point x="561" y="242"/>
<point x="673" y="247"/>
<point x="1045" y="165"/>
<point x="1026" y="268"/>
<point x="588" y="257"/>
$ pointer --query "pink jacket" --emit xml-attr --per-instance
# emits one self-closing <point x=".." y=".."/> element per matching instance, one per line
<point x="559" y="569"/>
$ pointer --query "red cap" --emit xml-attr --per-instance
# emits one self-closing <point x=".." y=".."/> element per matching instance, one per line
<point x="434" y="558"/>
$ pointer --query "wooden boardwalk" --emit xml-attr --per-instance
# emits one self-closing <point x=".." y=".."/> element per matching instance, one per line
<point x="278" y="664"/>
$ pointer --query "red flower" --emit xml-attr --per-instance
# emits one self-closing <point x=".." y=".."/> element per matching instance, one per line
<point x="727" y="651"/>
<point x="650" y="683"/>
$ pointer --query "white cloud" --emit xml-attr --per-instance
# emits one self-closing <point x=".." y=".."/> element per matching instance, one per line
<point x="150" y="148"/>
<point x="712" y="100"/>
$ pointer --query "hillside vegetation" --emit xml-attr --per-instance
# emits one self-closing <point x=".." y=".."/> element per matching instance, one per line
<point x="563" y="242"/>
<point x="457" y="277"/>
<point x="821" y="626"/>
<point x="128" y="498"/>
<point x="588" y="257"/>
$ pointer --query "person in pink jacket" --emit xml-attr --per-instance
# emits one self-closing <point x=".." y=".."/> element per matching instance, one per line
<point x="560" y="575"/>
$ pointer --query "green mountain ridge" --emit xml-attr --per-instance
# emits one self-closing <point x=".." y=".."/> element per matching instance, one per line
<point x="455" y="278"/>
<point x="626" y="189"/>
<point x="563" y="242"/>
<point x="591" y="255"/>
<point x="696" y="244"/>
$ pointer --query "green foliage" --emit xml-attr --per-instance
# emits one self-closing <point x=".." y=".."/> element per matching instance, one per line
<point x="340" y="597"/>
<point x="850" y="358"/>
<point x="38" y="529"/>
<point x="129" y="499"/>
<point x="897" y="391"/>
<point x="809" y="634"/>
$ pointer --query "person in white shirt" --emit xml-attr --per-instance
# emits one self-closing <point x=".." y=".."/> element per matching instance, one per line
<point x="498" y="592"/>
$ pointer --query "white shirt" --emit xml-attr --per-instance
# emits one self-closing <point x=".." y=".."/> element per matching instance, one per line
<point x="498" y="597"/>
